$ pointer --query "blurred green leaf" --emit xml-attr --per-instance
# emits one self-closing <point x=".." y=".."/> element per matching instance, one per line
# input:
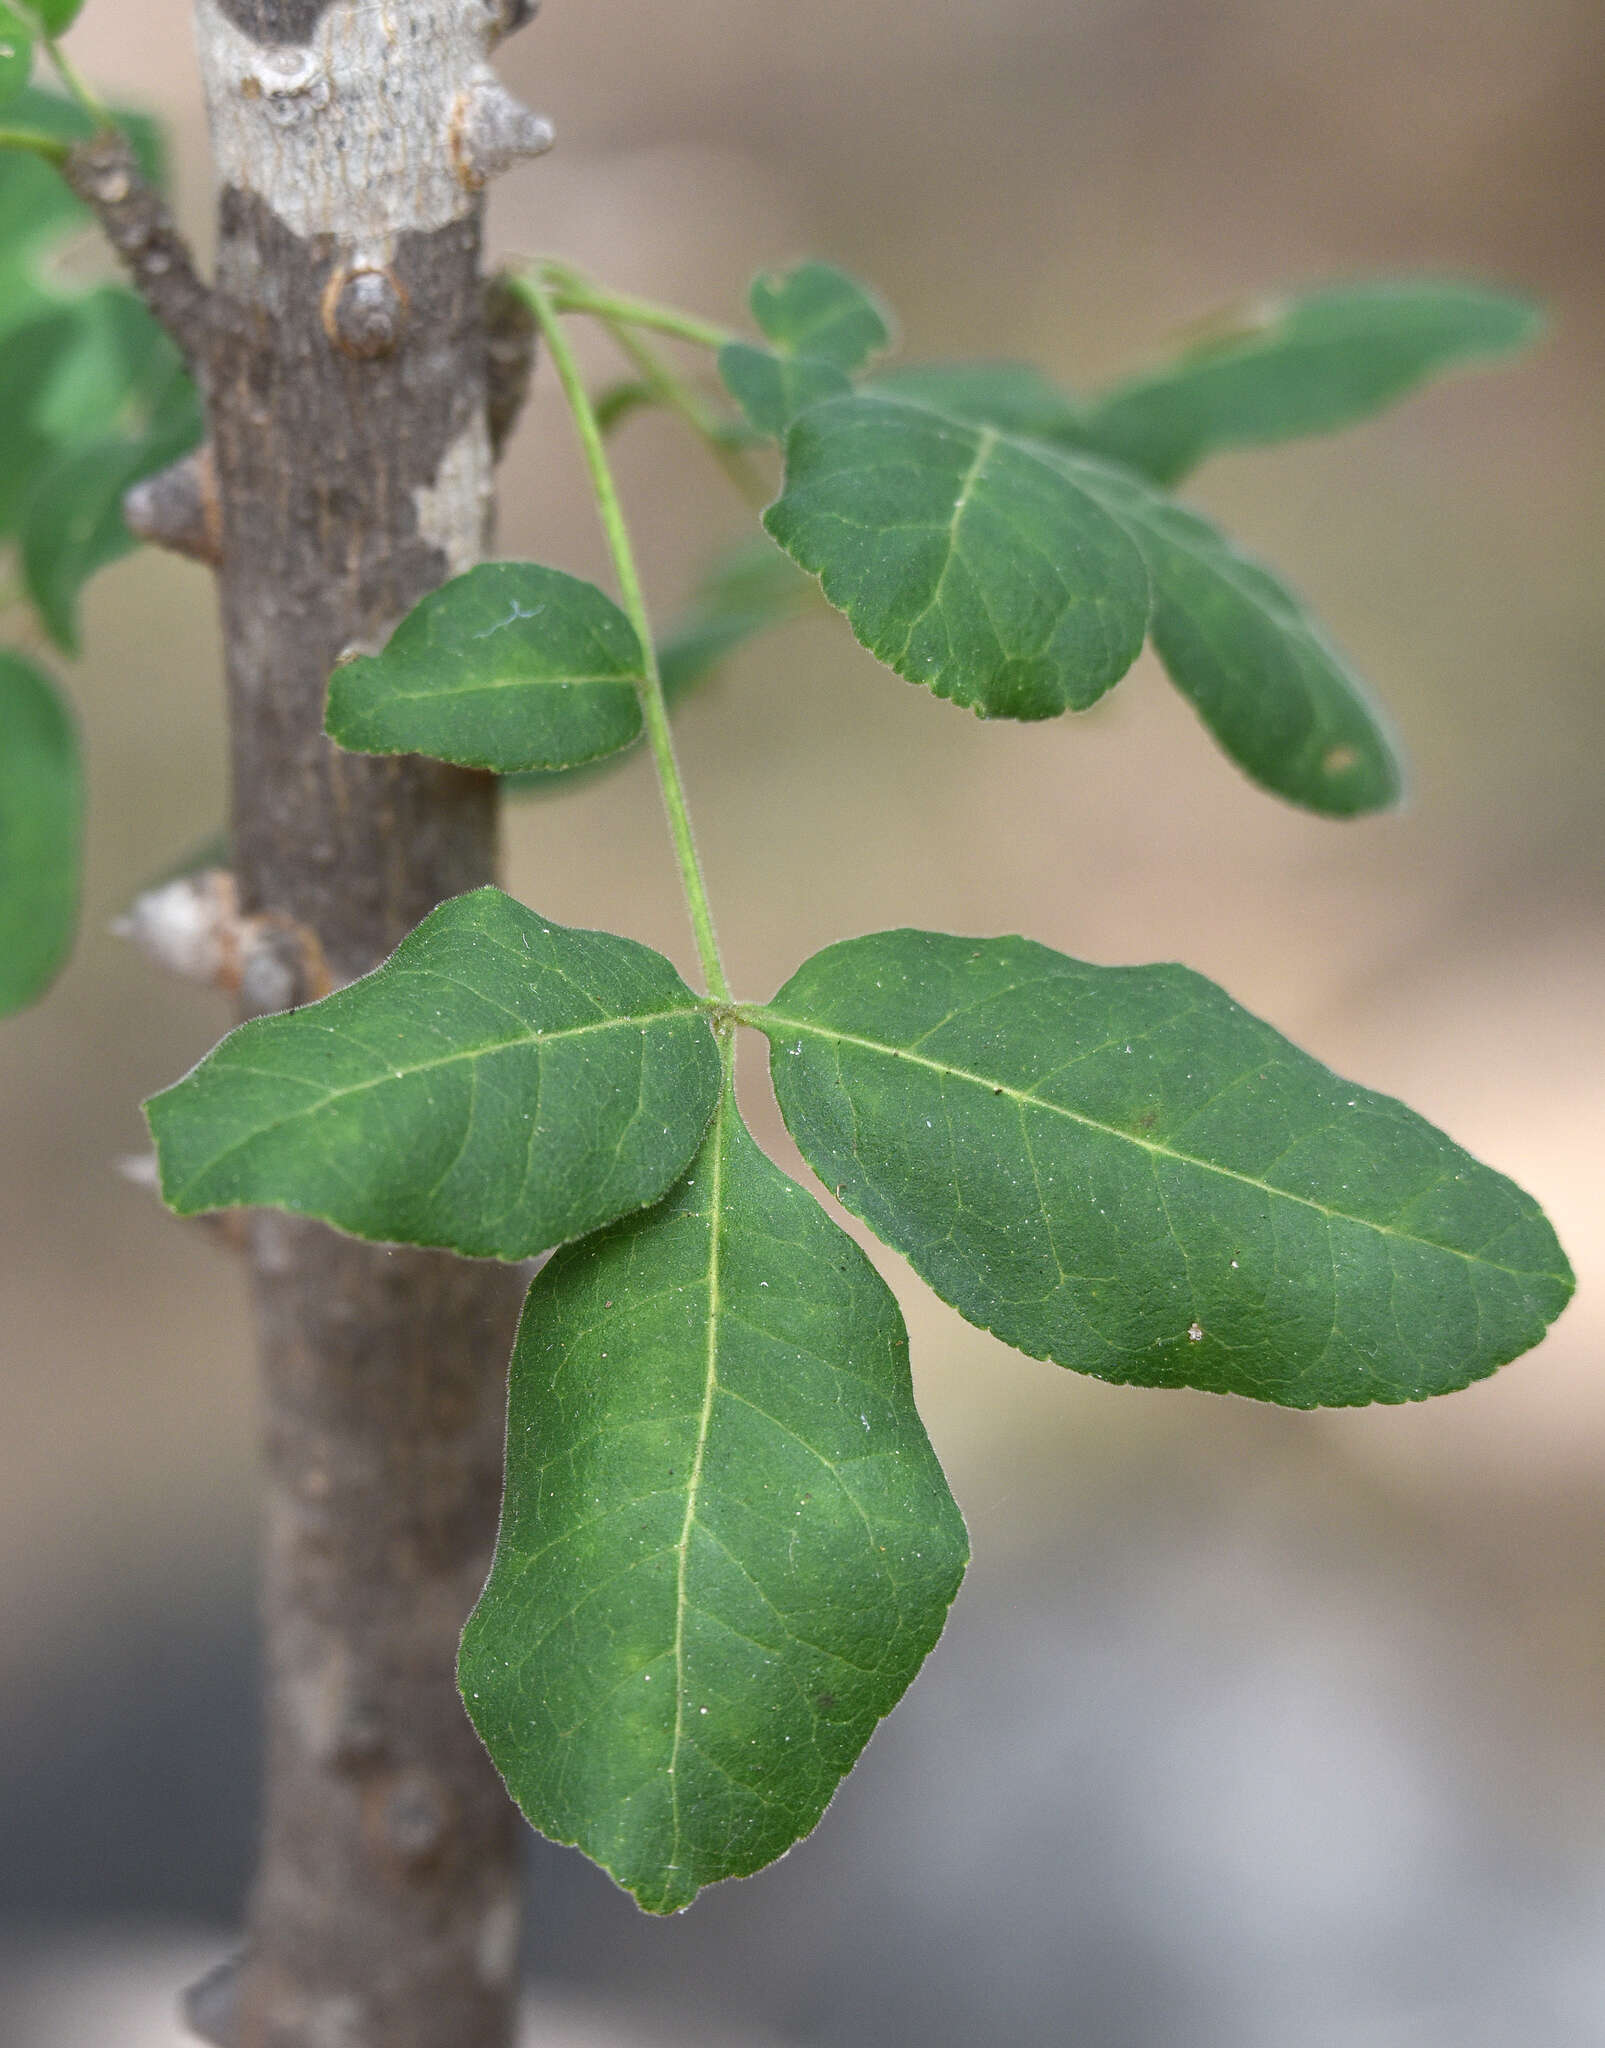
<point x="965" y="560"/>
<point x="773" y="389"/>
<point x="509" y="667"/>
<point x="67" y="376"/>
<point x="56" y="16"/>
<point x="1304" y="365"/>
<point x="72" y="524"/>
<point x="747" y="590"/>
<point x="1118" y="1169"/>
<point x="726" y="1545"/>
<point x="41" y="830"/>
<point x="16" y="55"/>
<point x="820" y="312"/>
<point x="499" y="1085"/>
<point x="37" y="212"/>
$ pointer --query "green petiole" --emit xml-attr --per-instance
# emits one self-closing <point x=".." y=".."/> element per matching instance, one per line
<point x="571" y="293"/>
<point x="66" y="70"/>
<point x="654" y="710"/>
<point x="50" y="147"/>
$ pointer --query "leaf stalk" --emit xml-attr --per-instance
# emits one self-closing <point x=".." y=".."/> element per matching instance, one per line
<point x="654" y="708"/>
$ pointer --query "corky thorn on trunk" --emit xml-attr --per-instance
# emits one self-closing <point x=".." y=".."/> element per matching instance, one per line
<point x="353" y="396"/>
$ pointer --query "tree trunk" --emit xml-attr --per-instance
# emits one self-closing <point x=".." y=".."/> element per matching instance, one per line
<point x="345" y="376"/>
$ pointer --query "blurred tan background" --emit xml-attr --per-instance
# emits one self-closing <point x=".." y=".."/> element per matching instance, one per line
<point x="1250" y="1727"/>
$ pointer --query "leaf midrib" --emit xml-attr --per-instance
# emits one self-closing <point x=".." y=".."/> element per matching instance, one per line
<point x="766" y="1017"/>
<point x="438" y="693"/>
<point x="694" y="1483"/>
<point x="393" y="1074"/>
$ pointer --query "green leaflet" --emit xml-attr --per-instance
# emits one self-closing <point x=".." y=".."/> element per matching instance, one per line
<point x="745" y="591"/>
<point x="726" y="1545"/>
<point x="816" y="310"/>
<point x="823" y="326"/>
<point x="1120" y="1170"/>
<point x="499" y="1085"/>
<point x="1302" y="365"/>
<point x="773" y="389"/>
<point x="1252" y="660"/>
<point x="965" y="560"/>
<point x="16" y="55"/>
<point x="41" y="828"/>
<point x="509" y="667"/>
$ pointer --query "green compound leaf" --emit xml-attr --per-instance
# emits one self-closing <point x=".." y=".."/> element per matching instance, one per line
<point x="773" y="389"/>
<point x="816" y="310"/>
<point x="1252" y="660"/>
<point x="499" y="1085"/>
<point x="746" y="591"/>
<point x="16" y="55"/>
<point x="41" y="830"/>
<point x="1013" y="397"/>
<point x="965" y="560"/>
<point x="1120" y="1170"/>
<point x="1303" y="365"/>
<point x="508" y="667"/>
<point x="726" y="1546"/>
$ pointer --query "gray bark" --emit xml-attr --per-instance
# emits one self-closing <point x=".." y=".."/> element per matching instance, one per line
<point x="344" y="356"/>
